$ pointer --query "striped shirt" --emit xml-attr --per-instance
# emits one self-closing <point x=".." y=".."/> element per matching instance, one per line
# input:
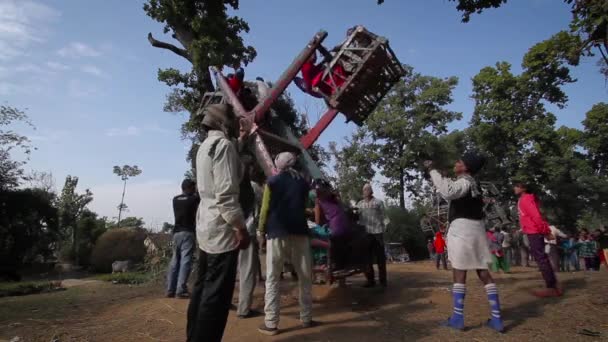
<point x="371" y="215"/>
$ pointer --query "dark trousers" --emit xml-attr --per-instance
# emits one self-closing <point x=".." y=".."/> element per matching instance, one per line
<point x="212" y="296"/>
<point x="554" y="257"/>
<point x="592" y="263"/>
<point x="537" y="249"/>
<point x="340" y="252"/>
<point x="441" y="257"/>
<point x="376" y="252"/>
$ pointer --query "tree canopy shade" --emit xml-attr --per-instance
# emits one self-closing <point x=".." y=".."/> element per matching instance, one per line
<point x="11" y="171"/>
<point x="405" y="123"/>
<point x="587" y="33"/>
<point x="28" y="226"/>
<point x="207" y="36"/>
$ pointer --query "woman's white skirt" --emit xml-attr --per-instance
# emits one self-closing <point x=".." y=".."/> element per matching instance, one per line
<point x="468" y="247"/>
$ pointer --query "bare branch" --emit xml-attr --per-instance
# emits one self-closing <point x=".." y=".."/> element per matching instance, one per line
<point x="171" y="47"/>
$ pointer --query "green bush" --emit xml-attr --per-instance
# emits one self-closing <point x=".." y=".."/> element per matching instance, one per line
<point x="118" y="244"/>
<point x="23" y="288"/>
<point x="126" y="278"/>
<point x="404" y="227"/>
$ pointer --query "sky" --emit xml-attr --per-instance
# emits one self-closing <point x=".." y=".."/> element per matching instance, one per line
<point x="85" y="74"/>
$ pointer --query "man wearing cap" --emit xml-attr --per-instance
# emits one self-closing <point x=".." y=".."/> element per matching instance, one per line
<point x="371" y="216"/>
<point x="220" y="225"/>
<point x="468" y="247"/>
<point x="184" y="209"/>
<point x="283" y="221"/>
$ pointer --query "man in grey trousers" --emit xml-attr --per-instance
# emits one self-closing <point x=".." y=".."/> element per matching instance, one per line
<point x="184" y="209"/>
<point x="249" y="258"/>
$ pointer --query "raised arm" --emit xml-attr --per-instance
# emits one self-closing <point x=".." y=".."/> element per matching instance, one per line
<point x="449" y="189"/>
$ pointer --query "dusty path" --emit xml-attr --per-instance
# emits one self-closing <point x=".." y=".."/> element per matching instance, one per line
<point x="417" y="299"/>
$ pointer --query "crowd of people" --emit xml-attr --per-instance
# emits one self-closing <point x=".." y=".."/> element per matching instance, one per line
<point x="233" y="212"/>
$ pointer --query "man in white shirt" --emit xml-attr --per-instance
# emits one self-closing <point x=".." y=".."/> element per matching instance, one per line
<point x="371" y="213"/>
<point x="551" y="246"/>
<point x="220" y="225"/>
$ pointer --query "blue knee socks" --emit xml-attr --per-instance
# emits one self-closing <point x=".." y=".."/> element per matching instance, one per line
<point x="456" y="321"/>
<point x="495" y="321"/>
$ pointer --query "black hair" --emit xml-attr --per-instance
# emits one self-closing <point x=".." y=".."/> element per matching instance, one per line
<point x="188" y="184"/>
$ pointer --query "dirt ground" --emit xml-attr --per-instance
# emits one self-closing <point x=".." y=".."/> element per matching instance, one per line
<point x="410" y="309"/>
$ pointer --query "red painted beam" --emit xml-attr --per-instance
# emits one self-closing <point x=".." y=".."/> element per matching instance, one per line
<point x="287" y="76"/>
<point x="319" y="127"/>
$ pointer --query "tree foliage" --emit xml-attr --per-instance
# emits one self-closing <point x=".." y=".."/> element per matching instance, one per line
<point x="404" y="124"/>
<point x="125" y="172"/>
<point x="128" y="222"/>
<point x="71" y="206"/>
<point x="11" y="171"/>
<point x="353" y="165"/>
<point x="208" y="36"/>
<point x="28" y="226"/>
<point x="588" y="31"/>
<point x="595" y="137"/>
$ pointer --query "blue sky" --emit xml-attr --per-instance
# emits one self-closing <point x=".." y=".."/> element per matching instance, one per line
<point x="86" y="75"/>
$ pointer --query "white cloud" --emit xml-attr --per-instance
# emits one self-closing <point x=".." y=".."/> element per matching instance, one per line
<point x="22" y="23"/>
<point x="123" y="132"/>
<point x="93" y="70"/>
<point x="57" y="66"/>
<point x="150" y="200"/>
<point x="78" y="50"/>
<point x="50" y="136"/>
<point x="78" y="89"/>
<point x="136" y="131"/>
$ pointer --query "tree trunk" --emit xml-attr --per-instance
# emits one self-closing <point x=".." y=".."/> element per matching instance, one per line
<point x="401" y="181"/>
<point x="401" y="189"/>
<point x="122" y="201"/>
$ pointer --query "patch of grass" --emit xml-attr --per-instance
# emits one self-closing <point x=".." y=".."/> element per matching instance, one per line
<point x="23" y="288"/>
<point x="125" y="278"/>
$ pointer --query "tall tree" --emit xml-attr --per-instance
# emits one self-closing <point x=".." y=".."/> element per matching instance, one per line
<point x="41" y="180"/>
<point x="125" y="172"/>
<point x="510" y="109"/>
<point x="129" y="222"/>
<point x="90" y="227"/>
<point x="28" y="227"/>
<point x="588" y="31"/>
<point x="207" y="36"/>
<point x="353" y="165"/>
<point x="71" y="205"/>
<point x="11" y="171"/>
<point x="596" y="137"/>
<point x="407" y="119"/>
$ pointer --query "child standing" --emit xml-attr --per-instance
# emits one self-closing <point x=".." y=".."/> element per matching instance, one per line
<point x="468" y="248"/>
<point x="499" y="261"/>
<point x="588" y="251"/>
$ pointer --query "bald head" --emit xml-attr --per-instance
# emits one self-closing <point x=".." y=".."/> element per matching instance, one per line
<point x="368" y="192"/>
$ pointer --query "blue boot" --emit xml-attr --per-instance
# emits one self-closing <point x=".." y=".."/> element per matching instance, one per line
<point x="456" y="321"/>
<point x="495" y="321"/>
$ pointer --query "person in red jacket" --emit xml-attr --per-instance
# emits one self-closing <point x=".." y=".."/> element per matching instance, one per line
<point x="439" y="244"/>
<point x="235" y="81"/>
<point x="536" y="228"/>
